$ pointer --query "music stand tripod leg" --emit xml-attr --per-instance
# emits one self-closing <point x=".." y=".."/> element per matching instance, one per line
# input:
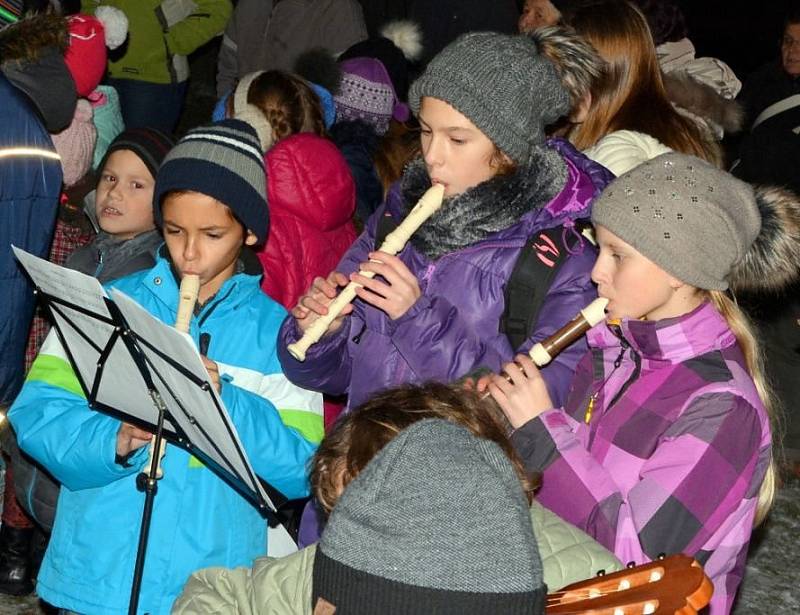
<point x="147" y="482"/>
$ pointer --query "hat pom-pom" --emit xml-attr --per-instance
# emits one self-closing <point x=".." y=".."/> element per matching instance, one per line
<point x="773" y="260"/>
<point x="407" y="36"/>
<point x="115" y="24"/>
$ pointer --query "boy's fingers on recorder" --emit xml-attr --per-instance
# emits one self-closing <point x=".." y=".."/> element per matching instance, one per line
<point x="131" y="438"/>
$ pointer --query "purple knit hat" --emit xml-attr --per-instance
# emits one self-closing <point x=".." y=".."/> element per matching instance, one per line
<point x="366" y="93"/>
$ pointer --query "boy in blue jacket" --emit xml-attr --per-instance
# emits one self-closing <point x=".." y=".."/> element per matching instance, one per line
<point x="210" y="201"/>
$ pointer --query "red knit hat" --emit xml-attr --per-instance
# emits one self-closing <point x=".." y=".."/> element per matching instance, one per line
<point x="89" y="35"/>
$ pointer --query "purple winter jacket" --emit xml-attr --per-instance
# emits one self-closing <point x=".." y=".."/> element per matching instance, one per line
<point x="453" y="328"/>
<point x="674" y="451"/>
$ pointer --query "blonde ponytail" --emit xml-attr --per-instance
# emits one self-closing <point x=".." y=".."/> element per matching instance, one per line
<point x="743" y="330"/>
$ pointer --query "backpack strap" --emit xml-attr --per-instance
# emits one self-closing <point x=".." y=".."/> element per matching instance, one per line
<point x="527" y="287"/>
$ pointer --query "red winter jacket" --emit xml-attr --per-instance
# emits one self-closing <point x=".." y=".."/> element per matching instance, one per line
<point x="311" y="201"/>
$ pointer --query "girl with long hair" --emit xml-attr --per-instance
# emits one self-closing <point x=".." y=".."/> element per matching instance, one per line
<point x="665" y="442"/>
<point x="630" y="94"/>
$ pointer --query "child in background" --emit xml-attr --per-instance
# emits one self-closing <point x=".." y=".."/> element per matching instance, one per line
<point x="209" y="199"/>
<point x="664" y="444"/>
<point x="127" y="243"/>
<point x="123" y="207"/>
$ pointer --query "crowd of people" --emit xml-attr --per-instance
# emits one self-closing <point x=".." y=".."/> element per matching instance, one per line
<point x="427" y="464"/>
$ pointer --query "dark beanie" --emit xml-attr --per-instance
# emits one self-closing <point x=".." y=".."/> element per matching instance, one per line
<point x="223" y="161"/>
<point x="387" y="53"/>
<point x="436" y="523"/>
<point x="149" y="144"/>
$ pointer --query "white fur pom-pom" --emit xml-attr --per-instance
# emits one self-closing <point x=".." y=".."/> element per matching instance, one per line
<point x="407" y="36"/>
<point x="115" y="23"/>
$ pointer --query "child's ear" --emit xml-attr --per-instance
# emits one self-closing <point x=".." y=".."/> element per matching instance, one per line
<point x="250" y="239"/>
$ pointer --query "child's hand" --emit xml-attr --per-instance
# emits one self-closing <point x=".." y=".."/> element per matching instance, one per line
<point x="131" y="438"/>
<point x="213" y="372"/>
<point x="315" y="302"/>
<point x="397" y="294"/>
<point x="522" y="399"/>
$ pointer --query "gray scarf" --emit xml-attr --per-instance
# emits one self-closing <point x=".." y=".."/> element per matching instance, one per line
<point x="485" y="209"/>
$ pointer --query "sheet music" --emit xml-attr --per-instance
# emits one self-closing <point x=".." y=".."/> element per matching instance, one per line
<point x="87" y="335"/>
<point x="191" y="407"/>
<point x="121" y="385"/>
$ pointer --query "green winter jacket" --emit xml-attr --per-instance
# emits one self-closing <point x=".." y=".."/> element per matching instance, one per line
<point x="283" y="586"/>
<point x="162" y="33"/>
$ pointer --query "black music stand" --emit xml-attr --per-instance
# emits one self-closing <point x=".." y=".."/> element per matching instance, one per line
<point x="105" y="338"/>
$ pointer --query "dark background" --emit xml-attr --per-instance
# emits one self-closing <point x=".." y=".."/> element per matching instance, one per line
<point x="745" y="34"/>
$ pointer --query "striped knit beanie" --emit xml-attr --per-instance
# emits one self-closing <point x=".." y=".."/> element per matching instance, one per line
<point x="149" y="144"/>
<point x="223" y="161"/>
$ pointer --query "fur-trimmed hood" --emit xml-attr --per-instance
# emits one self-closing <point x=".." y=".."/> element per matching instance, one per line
<point x="32" y="59"/>
<point x="703" y="101"/>
<point x="773" y="261"/>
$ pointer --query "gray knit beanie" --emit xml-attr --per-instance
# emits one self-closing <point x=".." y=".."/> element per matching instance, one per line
<point x="223" y="161"/>
<point x="690" y="218"/>
<point x="436" y="523"/>
<point x="502" y="84"/>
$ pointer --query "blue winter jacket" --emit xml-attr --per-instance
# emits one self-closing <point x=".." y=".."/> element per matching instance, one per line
<point x="30" y="185"/>
<point x="454" y="327"/>
<point x="198" y="519"/>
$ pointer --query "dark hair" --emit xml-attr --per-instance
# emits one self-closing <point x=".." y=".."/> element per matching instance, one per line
<point x="666" y="20"/>
<point x="288" y="102"/>
<point x="358" y="436"/>
<point x="792" y="16"/>
<point x="185" y="191"/>
<point x="396" y="148"/>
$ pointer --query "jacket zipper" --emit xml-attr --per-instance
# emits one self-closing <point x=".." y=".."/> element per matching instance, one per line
<point x="637" y="365"/>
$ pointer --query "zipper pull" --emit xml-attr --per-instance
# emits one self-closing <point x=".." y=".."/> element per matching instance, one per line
<point x="587" y="415"/>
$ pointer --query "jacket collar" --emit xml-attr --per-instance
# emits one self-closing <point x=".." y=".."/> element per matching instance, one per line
<point x="670" y="340"/>
<point x="163" y="282"/>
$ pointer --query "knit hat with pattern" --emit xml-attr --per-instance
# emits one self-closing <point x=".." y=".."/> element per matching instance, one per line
<point x="223" y="161"/>
<point x="690" y="218"/>
<point x="436" y="523"/>
<point x="75" y="144"/>
<point x="367" y="93"/>
<point x="501" y="84"/>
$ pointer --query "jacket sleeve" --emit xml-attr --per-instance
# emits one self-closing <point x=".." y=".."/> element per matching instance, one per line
<point x="56" y="427"/>
<point x="697" y="476"/>
<point x="205" y="23"/>
<point x="223" y="591"/>
<point x="570" y="292"/>
<point x="278" y="450"/>
<point x="328" y="364"/>
<point x="228" y="60"/>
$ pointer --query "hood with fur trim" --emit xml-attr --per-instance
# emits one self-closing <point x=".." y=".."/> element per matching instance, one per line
<point x="701" y="100"/>
<point x="32" y="59"/>
<point x="26" y="40"/>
